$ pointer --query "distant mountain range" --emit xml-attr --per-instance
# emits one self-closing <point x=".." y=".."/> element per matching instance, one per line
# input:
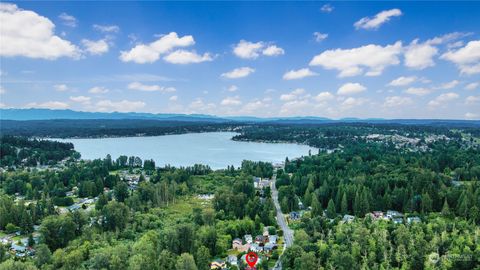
<point x="47" y="114"/>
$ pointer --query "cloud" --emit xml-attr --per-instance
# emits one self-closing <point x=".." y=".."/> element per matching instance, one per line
<point x="95" y="47"/>
<point x="106" y="28"/>
<point x="231" y="101"/>
<point x="327" y="8"/>
<point x="25" y="33"/>
<point x="396" y="101"/>
<point x="351" y="102"/>
<point x="81" y="99"/>
<point x="448" y="85"/>
<point x="319" y="37"/>
<point x="98" y="90"/>
<point x="187" y="57"/>
<point x="472" y="86"/>
<point x="199" y="106"/>
<point x="378" y="20"/>
<point x="149" y="53"/>
<point x="173" y="98"/>
<point x="295" y="94"/>
<point x="420" y="56"/>
<point x="324" y="96"/>
<point x="443" y="98"/>
<point x="472" y="100"/>
<point x="2" y="90"/>
<point x="60" y="87"/>
<point x="48" y="105"/>
<point x="68" y="20"/>
<point x="467" y="58"/>
<point x="273" y="50"/>
<point x="238" y="73"/>
<point x="351" y="89"/>
<point x="252" y="50"/>
<point x="470" y="115"/>
<point x="232" y="88"/>
<point x="402" y="81"/>
<point x="253" y="107"/>
<point x="350" y="62"/>
<point x="119" y="106"/>
<point x="150" y="88"/>
<point x="298" y="74"/>
<point x="418" y="91"/>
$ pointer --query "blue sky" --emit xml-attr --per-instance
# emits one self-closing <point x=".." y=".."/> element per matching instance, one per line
<point x="331" y="59"/>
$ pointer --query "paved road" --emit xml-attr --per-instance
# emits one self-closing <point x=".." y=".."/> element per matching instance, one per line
<point x="287" y="232"/>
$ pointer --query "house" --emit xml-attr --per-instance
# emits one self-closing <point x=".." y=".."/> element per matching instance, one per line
<point x="413" y="219"/>
<point x="294" y="215"/>
<point x="264" y="183"/>
<point x="260" y="239"/>
<point x="265" y="231"/>
<point x="273" y="239"/>
<point x="18" y="250"/>
<point x="237" y="244"/>
<point x="397" y="220"/>
<point x="391" y="214"/>
<point x="269" y="247"/>
<point x="232" y="260"/>
<point x="73" y="207"/>
<point x="248" y="238"/>
<point x="218" y="264"/>
<point x="300" y="205"/>
<point x="256" y="247"/>
<point x="256" y="182"/>
<point x="348" y="218"/>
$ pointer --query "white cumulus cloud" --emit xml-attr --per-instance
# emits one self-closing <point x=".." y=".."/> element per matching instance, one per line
<point x="60" y="87"/>
<point x="420" y="55"/>
<point x="379" y="19"/>
<point x="298" y="74"/>
<point x="95" y="47"/>
<point x="324" y="96"/>
<point x="443" y="98"/>
<point x="150" y="87"/>
<point x="396" y="101"/>
<point x="48" y="105"/>
<point x="106" y="28"/>
<point x="98" y="90"/>
<point x="402" y="81"/>
<point x="231" y="101"/>
<point x="252" y="50"/>
<point x="472" y="86"/>
<point x="467" y="58"/>
<point x="319" y="37"/>
<point x="472" y="100"/>
<point x="25" y="33"/>
<point x="81" y="99"/>
<point x="187" y="57"/>
<point x="418" y="91"/>
<point x="350" y="62"/>
<point x="238" y="73"/>
<point x="68" y="20"/>
<point x="149" y="53"/>
<point x="351" y="89"/>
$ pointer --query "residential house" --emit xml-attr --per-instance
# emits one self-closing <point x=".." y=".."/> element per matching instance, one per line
<point x="256" y="247"/>
<point x="232" y="260"/>
<point x="413" y="219"/>
<point x="248" y="238"/>
<point x="237" y="244"/>
<point x="397" y="220"/>
<point x="273" y="239"/>
<point x="392" y="213"/>
<point x="294" y="215"/>
<point x="218" y="264"/>
<point x="269" y="247"/>
<point x="260" y="239"/>
<point x="348" y="218"/>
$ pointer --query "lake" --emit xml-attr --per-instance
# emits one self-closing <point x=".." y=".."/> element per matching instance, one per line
<point x="215" y="149"/>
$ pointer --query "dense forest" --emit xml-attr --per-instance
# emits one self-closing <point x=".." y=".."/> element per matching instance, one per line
<point x="439" y="186"/>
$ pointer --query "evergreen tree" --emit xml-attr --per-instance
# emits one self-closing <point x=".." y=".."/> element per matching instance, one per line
<point x="331" y="212"/>
<point x="344" y="205"/>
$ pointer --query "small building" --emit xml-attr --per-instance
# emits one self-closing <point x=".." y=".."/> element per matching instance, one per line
<point x="294" y="215"/>
<point x="413" y="219"/>
<point x="232" y="260"/>
<point x="348" y="218"/>
<point x="269" y="247"/>
<point x="218" y="264"/>
<point x="392" y="213"/>
<point x="256" y="247"/>
<point x="397" y="220"/>
<point x="260" y="239"/>
<point x="265" y="231"/>
<point x="248" y="238"/>
<point x="237" y="244"/>
<point x="273" y="239"/>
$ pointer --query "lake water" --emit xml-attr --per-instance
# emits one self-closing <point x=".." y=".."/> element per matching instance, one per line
<point x="215" y="149"/>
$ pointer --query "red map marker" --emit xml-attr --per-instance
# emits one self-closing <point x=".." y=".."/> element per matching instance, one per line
<point x="251" y="259"/>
